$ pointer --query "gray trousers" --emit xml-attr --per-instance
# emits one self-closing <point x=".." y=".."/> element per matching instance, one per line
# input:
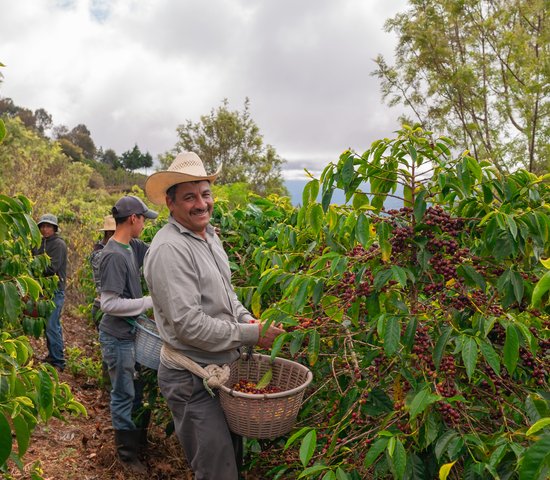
<point x="212" y="451"/>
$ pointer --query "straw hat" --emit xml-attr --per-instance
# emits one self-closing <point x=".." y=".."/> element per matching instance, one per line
<point x="109" y="224"/>
<point x="186" y="167"/>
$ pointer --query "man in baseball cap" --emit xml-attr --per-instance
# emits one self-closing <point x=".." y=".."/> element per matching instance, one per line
<point x="122" y="302"/>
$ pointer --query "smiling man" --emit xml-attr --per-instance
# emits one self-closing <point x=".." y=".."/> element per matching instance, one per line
<point x="197" y="313"/>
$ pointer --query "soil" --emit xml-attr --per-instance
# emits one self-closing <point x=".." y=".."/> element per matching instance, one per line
<point x="82" y="448"/>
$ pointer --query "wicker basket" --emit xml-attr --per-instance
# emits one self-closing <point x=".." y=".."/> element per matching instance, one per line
<point x="264" y="415"/>
<point x="148" y="343"/>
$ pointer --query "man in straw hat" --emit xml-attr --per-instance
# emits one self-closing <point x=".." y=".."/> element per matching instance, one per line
<point x="56" y="248"/>
<point x="122" y="301"/>
<point x="198" y="315"/>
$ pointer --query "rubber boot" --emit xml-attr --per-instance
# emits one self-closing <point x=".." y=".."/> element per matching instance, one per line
<point x="142" y="424"/>
<point x="127" y="444"/>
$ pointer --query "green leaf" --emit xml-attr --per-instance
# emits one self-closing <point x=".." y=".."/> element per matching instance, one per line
<point x="309" y="472"/>
<point x="9" y="300"/>
<point x="420" y="206"/>
<point x="295" y="436"/>
<point x="517" y="283"/>
<point x="444" y="442"/>
<point x="22" y="434"/>
<point x="392" y="334"/>
<point x="542" y="423"/>
<point x="307" y="447"/>
<point x="375" y="450"/>
<point x="536" y="457"/>
<point x="421" y="400"/>
<point x="471" y="275"/>
<point x="316" y="217"/>
<point x="399" y="274"/>
<point x="469" y="355"/>
<point x="511" y="348"/>
<point x="490" y="355"/>
<point x="398" y="459"/>
<point x="6" y="443"/>
<point x="266" y="378"/>
<point x="440" y="346"/>
<point x="313" y="347"/>
<point x="341" y="474"/>
<point x="256" y="304"/>
<point x="542" y="286"/>
<point x="300" y="294"/>
<point x="362" y="229"/>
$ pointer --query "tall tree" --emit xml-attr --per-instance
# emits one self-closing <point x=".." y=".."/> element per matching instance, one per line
<point x="109" y="157"/>
<point x="134" y="159"/>
<point x="79" y="137"/>
<point x="233" y="139"/>
<point x="477" y="70"/>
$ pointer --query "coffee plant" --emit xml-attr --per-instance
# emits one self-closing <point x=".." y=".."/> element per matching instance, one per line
<point x="29" y="394"/>
<point x="426" y="327"/>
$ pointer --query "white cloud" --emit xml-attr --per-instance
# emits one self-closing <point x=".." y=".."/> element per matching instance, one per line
<point x="133" y="70"/>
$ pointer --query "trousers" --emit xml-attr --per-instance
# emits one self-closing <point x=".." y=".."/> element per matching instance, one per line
<point x="126" y="387"/>
<point x="54" y="332"/>
<point x="212" y="450"/>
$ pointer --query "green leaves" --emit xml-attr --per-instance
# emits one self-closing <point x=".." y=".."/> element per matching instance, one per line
<point x="511" y="348"/>
<point x="421" y="400"/>
<point x="469" y="354"/>
<point x="541" y="288"/>
<point x="535" y="460"/>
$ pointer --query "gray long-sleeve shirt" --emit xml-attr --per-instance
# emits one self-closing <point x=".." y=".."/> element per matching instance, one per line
<point x="196" y="308"/>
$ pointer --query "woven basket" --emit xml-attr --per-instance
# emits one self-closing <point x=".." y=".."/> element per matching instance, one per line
<point x="148" y="343"/>
<point x="267" y="415"/>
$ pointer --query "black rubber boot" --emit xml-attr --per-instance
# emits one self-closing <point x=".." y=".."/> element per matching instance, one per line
<point x="127" y="444"/>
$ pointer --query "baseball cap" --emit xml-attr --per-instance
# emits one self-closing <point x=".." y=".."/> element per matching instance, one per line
<point x="130" y="205"/>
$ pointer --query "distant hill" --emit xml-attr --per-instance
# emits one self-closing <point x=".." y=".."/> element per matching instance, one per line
<point x="296" y="187"/>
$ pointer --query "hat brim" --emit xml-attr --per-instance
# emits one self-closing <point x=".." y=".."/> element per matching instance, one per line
<point x="157" y="184"/>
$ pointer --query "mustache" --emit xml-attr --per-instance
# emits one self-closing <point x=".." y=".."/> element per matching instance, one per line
<point x="196" y="211"/>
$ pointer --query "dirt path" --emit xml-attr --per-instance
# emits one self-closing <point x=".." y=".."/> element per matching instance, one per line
<point x="81" y="448"/>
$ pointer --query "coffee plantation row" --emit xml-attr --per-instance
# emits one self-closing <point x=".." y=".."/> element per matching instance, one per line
<point x="426" y="327"/>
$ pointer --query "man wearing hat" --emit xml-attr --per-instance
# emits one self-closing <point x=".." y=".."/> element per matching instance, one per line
<point x="108" y="230"/>
<point x="122" y="301"/>
<point x="56" y="248"/>
<point x="197" y="313"/>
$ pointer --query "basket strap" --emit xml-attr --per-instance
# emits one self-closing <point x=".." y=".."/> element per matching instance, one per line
<point x="214" y="376"/>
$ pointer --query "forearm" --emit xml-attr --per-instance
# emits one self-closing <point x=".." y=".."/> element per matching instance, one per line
<point x="112" y="304"/>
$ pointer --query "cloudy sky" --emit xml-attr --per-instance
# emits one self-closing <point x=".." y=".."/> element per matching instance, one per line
<point x="133" y="70"/>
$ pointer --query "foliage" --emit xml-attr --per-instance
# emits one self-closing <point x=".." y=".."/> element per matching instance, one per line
<point x="477" y="70"/>
<point x="77" y="143"/>
<point x="28" y="394"/>
<point x="134" y="159"/>
<point x="428" y="359"/>
<point x="232" y="139"/>
<point x="40" y="121"/>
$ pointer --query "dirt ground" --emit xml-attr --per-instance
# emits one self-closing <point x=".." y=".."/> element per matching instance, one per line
<point x="82" y="448"/>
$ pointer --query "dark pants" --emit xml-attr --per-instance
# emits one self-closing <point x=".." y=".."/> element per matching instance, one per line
<point x="213" y="452"/>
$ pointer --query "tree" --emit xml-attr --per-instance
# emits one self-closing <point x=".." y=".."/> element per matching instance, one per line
<point x="233" y="139"/>
<point x="109" y="157"/>
<point x="79" y="137"/>
<point x="476" y="70"/>
<point x="134" y="159"/>
<point x="39" y="121"/>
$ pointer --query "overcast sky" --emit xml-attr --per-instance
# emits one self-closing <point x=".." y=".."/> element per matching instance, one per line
<point x="133" y="70"/>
